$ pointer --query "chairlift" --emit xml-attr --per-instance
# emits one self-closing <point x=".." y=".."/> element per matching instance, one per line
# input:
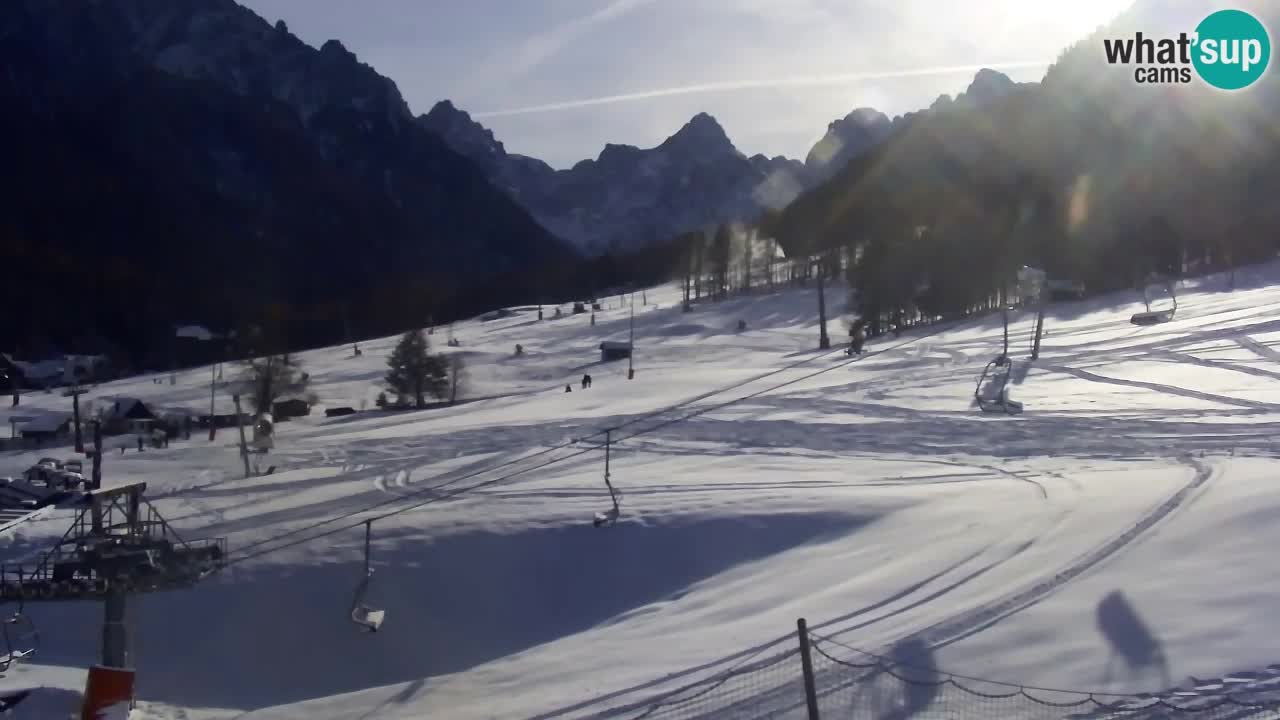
<point x="20" y="639"/>
<point x="264" y="433"/>
<point x="992" y="391"/>
<point x="362" y="614"/>
<point x="1031" y="284"/>
<point x="610" y="516"/>
<point x="1155" y="317"/>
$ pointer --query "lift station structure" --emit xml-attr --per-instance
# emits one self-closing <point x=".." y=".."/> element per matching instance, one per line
<point x="118" y="545"/>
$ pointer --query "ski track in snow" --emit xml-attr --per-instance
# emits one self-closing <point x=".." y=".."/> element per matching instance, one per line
<point x="968" y="524"/>
<point x="787" y="698"/>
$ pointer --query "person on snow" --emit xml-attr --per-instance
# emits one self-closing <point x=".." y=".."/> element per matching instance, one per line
<point x="857" y="337"/>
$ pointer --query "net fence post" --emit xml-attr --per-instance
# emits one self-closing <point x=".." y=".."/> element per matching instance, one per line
<point x="806" y="663"/>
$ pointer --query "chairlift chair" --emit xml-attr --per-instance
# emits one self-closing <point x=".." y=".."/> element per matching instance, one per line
<point x="362" y="614"/>
<point x="20" y="639"/>
<point x="992" y="391"/>
<point x="995" y="381"/>
<point x="1152" y="317"/>
<point x="610" y="516"/>
<point x="1155" y="317"/>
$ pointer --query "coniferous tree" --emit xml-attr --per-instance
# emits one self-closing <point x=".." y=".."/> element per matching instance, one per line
<point x="414" y="372"/>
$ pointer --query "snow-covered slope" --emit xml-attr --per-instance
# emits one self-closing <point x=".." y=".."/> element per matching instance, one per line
<point x="868" y="497"/>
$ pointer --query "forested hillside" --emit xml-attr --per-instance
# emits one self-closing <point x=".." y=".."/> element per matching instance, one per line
<point x="1089" y="175"/>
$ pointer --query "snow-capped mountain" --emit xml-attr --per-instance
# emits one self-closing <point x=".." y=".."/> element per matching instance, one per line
<point x="628" y="197"/>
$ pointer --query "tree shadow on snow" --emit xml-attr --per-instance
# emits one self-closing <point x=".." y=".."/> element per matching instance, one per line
<point x="270" y="635"/>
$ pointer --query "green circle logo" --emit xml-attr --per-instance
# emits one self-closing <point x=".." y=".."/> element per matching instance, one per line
<point x="1232" y="50"/>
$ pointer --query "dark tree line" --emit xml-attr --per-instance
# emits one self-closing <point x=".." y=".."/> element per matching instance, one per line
<point x="1089" y="176"/>
<point x="115" y="229"/>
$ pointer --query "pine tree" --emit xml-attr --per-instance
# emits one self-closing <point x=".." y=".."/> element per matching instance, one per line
<point x="415" y="372"/>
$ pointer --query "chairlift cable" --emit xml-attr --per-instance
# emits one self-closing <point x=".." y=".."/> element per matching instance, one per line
<point x="486" y="483"/>
<point x="425" y="490"/>
<point x="392" y="513"/>
<point x="758" y="393"/>
<point x="553" y="448"/>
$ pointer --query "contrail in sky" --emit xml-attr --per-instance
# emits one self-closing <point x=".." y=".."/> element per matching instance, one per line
<point x="785" y="82"/>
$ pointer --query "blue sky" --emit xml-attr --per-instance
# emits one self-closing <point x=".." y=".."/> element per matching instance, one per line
<point x="773" y="72"/>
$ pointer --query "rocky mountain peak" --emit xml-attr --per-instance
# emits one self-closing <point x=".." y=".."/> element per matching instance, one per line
<point x="987" y="86"/>
<point x="703" y="132"/>
<point x="464" y="134"/>
<point x="845" y="139"/>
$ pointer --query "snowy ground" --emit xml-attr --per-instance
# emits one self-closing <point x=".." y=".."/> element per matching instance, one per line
<point x="870" y="498"/>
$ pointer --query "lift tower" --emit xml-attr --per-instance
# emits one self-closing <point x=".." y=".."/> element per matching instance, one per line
<point x="118" y="545"/>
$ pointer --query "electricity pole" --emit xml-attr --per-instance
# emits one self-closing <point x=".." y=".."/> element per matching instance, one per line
<point x="1035" y="350"/>
<point x="96" y="477"/>
<point x="631" y="340"/>
<point x="244" y="451"/>
<point x="824" y="342"/>
<point x="75" y="410"/>
<point x="212" y="386"/>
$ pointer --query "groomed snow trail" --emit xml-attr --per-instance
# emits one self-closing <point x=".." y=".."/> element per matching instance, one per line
<point x="762" y="482"/>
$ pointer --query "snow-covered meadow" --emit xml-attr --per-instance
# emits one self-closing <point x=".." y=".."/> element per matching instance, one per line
<point x="762" y="481"/>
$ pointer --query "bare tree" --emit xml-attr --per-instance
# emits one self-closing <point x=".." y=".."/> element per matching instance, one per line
<point x="699" y="251"/>
<point x="770" y="255"/>
<point x="457" y="376"/>
<point x="269" y="378"/>
<point x="721" y="255"/>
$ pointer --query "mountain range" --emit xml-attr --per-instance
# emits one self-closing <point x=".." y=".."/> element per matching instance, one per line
<point x="180" y="161"/>
<point x="630" y="197"/>
<point x="185" y="160"/>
